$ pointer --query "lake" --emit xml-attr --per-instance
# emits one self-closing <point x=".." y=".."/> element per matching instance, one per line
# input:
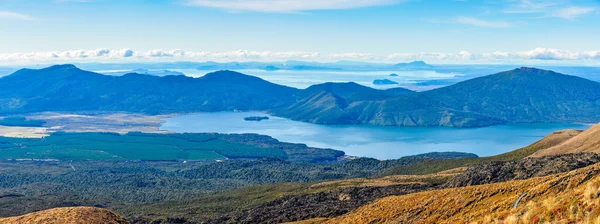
<point x="304" y="79"/>
<point x="371" y="141"/>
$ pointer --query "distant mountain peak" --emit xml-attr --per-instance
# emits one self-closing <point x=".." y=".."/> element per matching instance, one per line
<point x="414" y="64"/>
<point x="62" y="67"/>
<point x="529" y="72"/>
<point x="329" y="85"/>
<point x="418" y="63"/>
<point x="531" y="69"/>
<point x="228" y="75"/>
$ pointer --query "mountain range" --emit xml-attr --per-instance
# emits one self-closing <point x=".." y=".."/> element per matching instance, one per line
<point x="314" y="66"/>
<point x="522" y="95"/>
<point x="68" y="88"/>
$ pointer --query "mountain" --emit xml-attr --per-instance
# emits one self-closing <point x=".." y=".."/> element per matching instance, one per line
<point x="384" y="82"/>
<point x="414" y="65"/>
<point x="68" y="88"/>
<point x="523" y="95"/>
<point x="145" y="72"/>
<point x="73" y="215"/>
<point x="587" y="141"/>
<point x="329" y="103"/>
<point x="352" y="91"/>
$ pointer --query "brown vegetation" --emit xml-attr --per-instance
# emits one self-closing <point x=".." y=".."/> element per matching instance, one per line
<point x="69" y="215"/>
<point x="587" y="141"/>
<point x="571" y="197"/>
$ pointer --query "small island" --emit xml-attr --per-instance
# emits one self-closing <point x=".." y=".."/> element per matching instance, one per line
<point x="256" y="118"/>
<point x="393" y="75"/>
<point x="384" y="82"/>
<point x="271" y="68"/>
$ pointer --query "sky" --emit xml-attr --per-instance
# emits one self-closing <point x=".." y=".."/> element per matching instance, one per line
<point x="440" y="31"/>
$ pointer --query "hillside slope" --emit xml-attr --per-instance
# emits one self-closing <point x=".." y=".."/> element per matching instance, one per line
<point x="587" y="141"/>
<point x="68" y="215"/>
<point x="330" y="103"/>
<point x="567" y="198"/>
<point x="523" y="95"/>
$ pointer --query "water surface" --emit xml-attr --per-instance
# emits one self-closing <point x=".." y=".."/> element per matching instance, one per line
<point x="304" y="79"/>
<point x="371" y="141"/>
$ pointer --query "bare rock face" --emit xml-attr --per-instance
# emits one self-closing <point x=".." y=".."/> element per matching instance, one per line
<point x="68" y="215"/>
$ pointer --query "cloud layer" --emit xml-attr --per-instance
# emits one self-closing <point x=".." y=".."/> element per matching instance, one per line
<point x="14" y="15"/>
<point x="287" y="6"/>
<point x="551" y="8"/>
<point x="129" y="55"/>
<point x="573" y="12"/>
<point x="481" y="23"/>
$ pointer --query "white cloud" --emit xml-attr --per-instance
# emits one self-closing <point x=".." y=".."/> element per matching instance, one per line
<point x="531" y="6"/>
<point x="75" y="1"/>
<point x="482" y="23"/>
<point x="352" y="55"/>
<point x="245" y="54"/>
<point x="287" y="5"/>
<point x="573" y="12"/>
<point x="14" y="15"/>
<point x="538" y="54"/>
<point x="129" y="55"/>
<point x="549" y="8"/>
<point x="108" y="55"/>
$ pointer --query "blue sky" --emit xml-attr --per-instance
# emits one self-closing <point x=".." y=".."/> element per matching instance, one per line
<point x="443" y="31"/>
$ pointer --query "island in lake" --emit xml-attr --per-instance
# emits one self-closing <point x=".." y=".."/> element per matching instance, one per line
<point x="256" y="118"/>
<point x="384" y="82"/>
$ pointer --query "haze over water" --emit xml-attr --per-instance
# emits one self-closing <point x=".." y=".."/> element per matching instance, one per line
<point x="304" y="79"/>
<point x="372" y="141"/>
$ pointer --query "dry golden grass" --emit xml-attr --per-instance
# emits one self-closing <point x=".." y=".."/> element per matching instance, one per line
<point x="309" y="221"/>
<point x="69" y="215"/>
<point x="571" y="197"/>
<point x="587" y="141"/>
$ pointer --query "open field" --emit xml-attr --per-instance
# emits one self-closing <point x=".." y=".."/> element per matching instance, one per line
<point x="23" y="132"/>
<point x="39" y="125"/>
<point x="100" y="122"/>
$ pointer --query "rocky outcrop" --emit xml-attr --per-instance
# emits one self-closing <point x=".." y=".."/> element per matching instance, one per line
<point x="502" y="171"/>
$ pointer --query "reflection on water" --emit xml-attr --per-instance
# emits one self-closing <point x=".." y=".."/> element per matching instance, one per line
<point x="371" y="141"/>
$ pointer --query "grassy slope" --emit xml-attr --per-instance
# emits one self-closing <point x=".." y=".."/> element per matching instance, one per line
<point x="435" y="166"/>
<point x="587" y="141"/>
<point x="68" y="215"/>
<point x="570" y="197"/>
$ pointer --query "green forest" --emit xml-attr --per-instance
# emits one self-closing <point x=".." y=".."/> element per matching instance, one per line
<point x="146" y="146"/>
